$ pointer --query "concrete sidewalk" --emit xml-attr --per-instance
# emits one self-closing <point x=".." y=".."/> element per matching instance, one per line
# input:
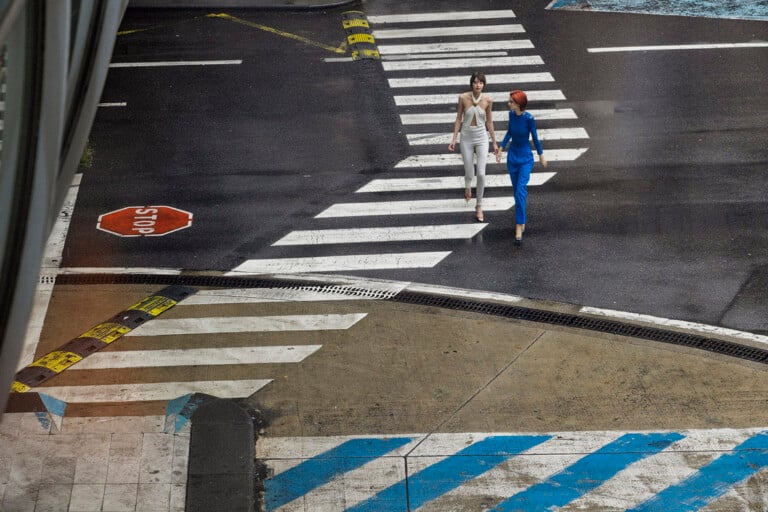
<point x="404" y="368"/>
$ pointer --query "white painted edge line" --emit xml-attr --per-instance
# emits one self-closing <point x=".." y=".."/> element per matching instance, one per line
<point x="120" y="270"/>
<point x="668" y="47"/>
<point x="159" y="64"/>
<point x="338" y="59"/>
<point x="666" y="322"/>
<point x="114" y="104"/>
<point x="456" y="292"/>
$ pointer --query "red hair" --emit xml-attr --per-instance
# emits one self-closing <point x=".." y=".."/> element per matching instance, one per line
<point x="520" y="98"/>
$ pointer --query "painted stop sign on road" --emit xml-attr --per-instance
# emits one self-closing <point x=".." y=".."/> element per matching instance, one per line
<point x="144" y="221"/>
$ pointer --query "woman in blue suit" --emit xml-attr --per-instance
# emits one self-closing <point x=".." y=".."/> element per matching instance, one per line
<point x="522" y="127"/>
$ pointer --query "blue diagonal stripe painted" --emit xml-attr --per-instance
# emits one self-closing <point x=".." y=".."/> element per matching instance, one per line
<point x="448" y="474"/>
<point x="589" y="472"/>
<point x="319" y="470"/>
<point x="713" y="480"/>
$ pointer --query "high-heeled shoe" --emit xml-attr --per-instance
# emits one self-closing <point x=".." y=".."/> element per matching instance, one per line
<point x="479" y="214"/>
<point x="519" y="241"/>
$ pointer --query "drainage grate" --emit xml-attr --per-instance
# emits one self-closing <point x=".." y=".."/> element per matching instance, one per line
<point x="593" y="324"/>
<point x="713" y="345"/>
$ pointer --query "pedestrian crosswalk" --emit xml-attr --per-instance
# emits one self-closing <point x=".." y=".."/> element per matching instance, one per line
<point x="142" y="366"/>
<point x="670" y="471"/>
<point x="427" y="58"/>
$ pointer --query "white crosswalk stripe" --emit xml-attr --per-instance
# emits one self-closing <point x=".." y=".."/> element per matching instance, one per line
<point x="424" y="56"/>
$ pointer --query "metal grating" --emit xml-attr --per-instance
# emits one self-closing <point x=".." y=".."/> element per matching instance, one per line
<point x="713" y="345"/>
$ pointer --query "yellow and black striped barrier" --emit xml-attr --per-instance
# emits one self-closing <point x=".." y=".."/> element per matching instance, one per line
<point x="98" y="337"/>
<point x="359" y="36"/>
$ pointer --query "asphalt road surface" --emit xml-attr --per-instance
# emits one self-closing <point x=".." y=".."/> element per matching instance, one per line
<point x="657" y="204"/>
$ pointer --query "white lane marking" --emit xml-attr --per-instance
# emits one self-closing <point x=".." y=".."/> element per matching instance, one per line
<point x="424" y="206"/>
<point x="437" y="81"/>
<point x="416" y="139"/>
<point x="440" y="16"/>
<point x="476" y="30"/>
<point x="159" y="64"/>
<point x="120" y="270"/>
<point x="449" y="117"/>
<point x="114" y="104"/>
<point x="199" y="356"/>
<point x="666" y="322"/>
<point x="377" y="235"/>
<point x="153" y="391"/>
<point x="471" y="294"/>
<point x="453" y="55"/>
<point x="48" y="270"/>
<point x="445" y="183"/>
<point x="430" y="64"/>
<point x="232" y="324"/>
<point x="510" y="44"/>
<point x="707" y="46"/>
<point x="445" y="99"/>
<point x="340" y="263"/>
<point x="259" y="295"/>
<point x="454" y="159"/>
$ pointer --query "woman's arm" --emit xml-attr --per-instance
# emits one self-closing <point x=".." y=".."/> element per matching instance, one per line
<point x="457" y="124"/>
<point x="536" y="142"/>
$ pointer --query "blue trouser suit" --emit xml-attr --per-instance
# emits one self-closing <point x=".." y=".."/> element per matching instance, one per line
<point x="519" y="174"/>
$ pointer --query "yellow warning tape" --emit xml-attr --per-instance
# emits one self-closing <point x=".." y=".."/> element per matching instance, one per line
<point x="58" y="360"/>
<point x="106" y="332"/>
<point x="355" y="23"/>
<point x="153" y="305"/>
<point x="360" y="38"/>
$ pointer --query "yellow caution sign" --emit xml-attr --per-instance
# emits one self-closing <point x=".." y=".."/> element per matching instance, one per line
<point x="153" y="305"/>
<point x="106" y="332"/>
<point x="57" y="361"/>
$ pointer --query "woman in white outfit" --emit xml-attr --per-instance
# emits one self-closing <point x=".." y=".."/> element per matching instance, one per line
<point x="475" y="120"/>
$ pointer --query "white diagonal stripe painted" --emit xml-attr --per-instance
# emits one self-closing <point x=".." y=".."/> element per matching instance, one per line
<point x="450" y="117"/>
<point x="425" y="206"/>
<point x="444" y="183"/>
<point x="153" y="391"/>
<point x="510" y="44"/>
<point x="231" y="324"/>
<point x="440" y="16"/>
<point x="340" y="263"/>
<point x="416" y="139"/>
<point x="437" y="81"/>
<point x="443" y="99"/>
<point x="476" y="30"/>
<point x="199" y="356"/>
<point x="452" y="55"/>
<point x="426" y="64"/>
<point x="389" y="234"/>
<point x="454" y="159"/>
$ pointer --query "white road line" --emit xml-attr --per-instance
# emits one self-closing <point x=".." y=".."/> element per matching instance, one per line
<point x="450" y="117"/>
<point x="120" y="270"/>
<point x="460" y="46"/>
<point x="445" y="183"/>
<point x="260" y="295"/>
<point x="666" y="322"/>
<point x="523" y="60"/>
<point x="159" y="64"/>
<point x="440" y="16"/>
<point x="200" y="356"/>
<point x="709" y="46"/>
<point x="476" y="30"/>
<point x="153" y="391"/>
<point x="340" y="263"/>
<point x="425" y="206"/>
<point x="445" y="99"/>
<point x="114" y="104"/>
<point x="454" y="55"/>
<point x="417" y="139"/>
<point x="454" y="159"/>
<point x="232" y="324"/>
<point x="437" y="81"/>
<point x="377" y="235"/>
